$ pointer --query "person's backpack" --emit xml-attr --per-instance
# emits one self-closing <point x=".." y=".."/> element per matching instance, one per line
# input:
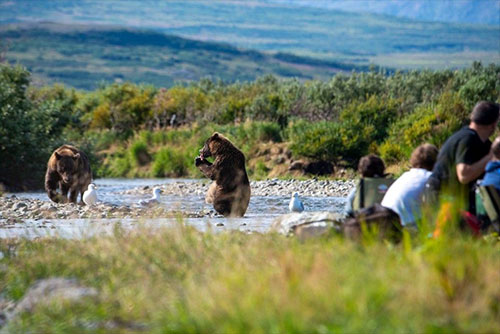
<point x="370" y="191"/>
<point x="383" y="219"/>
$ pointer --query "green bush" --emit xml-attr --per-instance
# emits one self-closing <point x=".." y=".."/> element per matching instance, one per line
<point x="338" y="120"/>
<point x="260" y="171"/>
<point x="365" y="125"/>
<point x="139" y="153"/>
<point x="169" y="162"/>
<point x="145" y="136"/>
<point x="119" y="165"/>
<point x="233" y="109"/>
<point x="263" y="131"/>
<point x="31" y="127"/>
<point x="121" y="107"/>
<point x="361" y="128"/>
<point x="477" y="83"/>
<point x="432" y="123"/>
<point x="320" y="140"/>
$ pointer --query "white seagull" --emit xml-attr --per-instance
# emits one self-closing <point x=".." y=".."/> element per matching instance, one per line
<point x="90" y="195"/>
<point x="295" y="203"/>
<point x="153" y="200"/>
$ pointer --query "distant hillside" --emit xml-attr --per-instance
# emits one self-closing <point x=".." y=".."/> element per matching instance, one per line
<point x="83" y="56"/>
<point x="353" y="37"/>
<point x="458" y="11"/>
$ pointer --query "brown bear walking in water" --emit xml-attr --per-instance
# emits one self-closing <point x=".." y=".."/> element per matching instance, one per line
<point x="69" y="169"/>
<point x="230" y="193"/>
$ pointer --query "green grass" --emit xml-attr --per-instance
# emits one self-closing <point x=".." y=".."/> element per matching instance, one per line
<point x="181" y="280"/>
<point x="171" y="152"/>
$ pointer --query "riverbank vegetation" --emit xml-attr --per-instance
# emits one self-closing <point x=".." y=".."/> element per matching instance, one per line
<point x="182" y="280"/>
<point x="133" y="130"/>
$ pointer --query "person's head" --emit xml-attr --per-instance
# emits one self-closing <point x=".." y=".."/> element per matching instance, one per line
<point x="495" y="148"/>
<point x="424" y="156"/>
<point x="371" y="166"/>
<point x="485" y="115"/>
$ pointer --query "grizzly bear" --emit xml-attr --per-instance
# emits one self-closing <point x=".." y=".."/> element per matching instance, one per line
<point x="230" y="191"/>
<point x="68" y="168"/>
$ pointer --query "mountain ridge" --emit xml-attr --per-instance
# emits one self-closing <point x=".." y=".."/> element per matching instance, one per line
<point x="453" y="11"/>
<point x="268" y="26"/>
<point x="82" y="55"/>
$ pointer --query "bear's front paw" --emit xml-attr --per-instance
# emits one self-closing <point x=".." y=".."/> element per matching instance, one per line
<point x="198" y="161"/>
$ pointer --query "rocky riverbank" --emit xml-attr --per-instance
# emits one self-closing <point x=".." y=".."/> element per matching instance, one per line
<point x="273" y="187"/>
<point x="14" y="209"/>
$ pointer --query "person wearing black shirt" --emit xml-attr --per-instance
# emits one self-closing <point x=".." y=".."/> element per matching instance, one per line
<point x="463" y="157"/>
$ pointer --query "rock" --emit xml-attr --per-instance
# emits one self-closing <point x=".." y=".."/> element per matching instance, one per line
<point x="275" y="150"/>
<point x="319" y="168"/>
<point x="296" y="165"/>
<point x="279" y="160"/>
<point x="19" y="205"/>
<point x="6" y="307"/>
<point x="51" y="208"/>
<point x="47" y="291"/>
<point x="308" y="224"/>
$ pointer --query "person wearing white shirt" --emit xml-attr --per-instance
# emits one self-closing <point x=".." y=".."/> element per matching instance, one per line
<point x="404" y="195"/>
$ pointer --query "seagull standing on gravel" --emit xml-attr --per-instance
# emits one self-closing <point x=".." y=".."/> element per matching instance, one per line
<point x="153" y="200"/>
<point x="295" y="203"/>
<point x="90" y="195"/>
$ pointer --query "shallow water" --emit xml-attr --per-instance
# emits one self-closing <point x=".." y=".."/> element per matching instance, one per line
<point x="261" y="212"/>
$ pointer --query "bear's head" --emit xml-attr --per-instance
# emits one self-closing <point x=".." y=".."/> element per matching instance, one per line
<point x="214" y="146"/>
<point x="67" y="165"/>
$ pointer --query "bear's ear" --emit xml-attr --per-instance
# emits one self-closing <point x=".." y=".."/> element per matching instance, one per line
<point x="215" y="135"/>
<point x="76" y="156"/>
<point x="58" y="156"/>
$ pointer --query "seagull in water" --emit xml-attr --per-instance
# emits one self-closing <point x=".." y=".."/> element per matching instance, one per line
<point x="90" y="195"/>
<point x="153" y="200"/>
<point x="295" y="203"/>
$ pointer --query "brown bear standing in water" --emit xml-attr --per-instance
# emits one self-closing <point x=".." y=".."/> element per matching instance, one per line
<point x="68" y="169"/>
<point x="230" y="193"/>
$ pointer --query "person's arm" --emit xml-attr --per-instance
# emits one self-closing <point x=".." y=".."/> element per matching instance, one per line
<point x="468" y="173"/>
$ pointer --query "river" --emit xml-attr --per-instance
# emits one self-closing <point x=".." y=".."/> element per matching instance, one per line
<point x="261" y="212"/>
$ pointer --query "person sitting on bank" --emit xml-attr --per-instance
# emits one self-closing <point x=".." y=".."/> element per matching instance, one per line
<point x="463" y="158"/>
<point x="492" y="175"/>
<point x="369" y="166"/>
<point x="404" y="195"/>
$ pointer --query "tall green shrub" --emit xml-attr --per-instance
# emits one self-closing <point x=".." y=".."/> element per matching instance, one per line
<point x="31" y="127"/>
<point x="432" y="123"/>
<point x="319" y="140"/>
<point x="365" y="125"/>
<point x="169" y="161"/>
<point x="139" y="153"/>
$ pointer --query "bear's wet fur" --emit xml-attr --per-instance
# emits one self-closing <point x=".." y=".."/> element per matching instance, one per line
<point x="69" y="170"/>
<point x="230" y="191"/>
